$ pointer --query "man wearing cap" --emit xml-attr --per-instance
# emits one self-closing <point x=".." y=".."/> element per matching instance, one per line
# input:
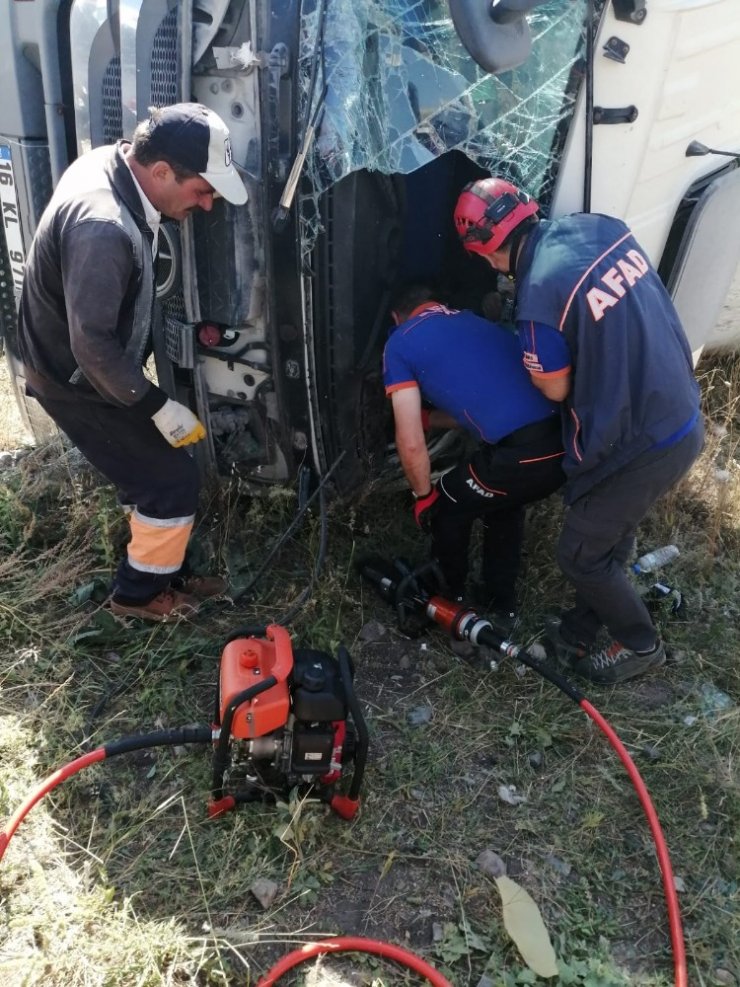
<point x="84" y="331"/>
<point x="485" y="390"/>
<point x="599" y="333"/>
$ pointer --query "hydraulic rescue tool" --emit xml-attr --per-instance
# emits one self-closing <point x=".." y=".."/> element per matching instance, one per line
<point x="416" y="595"/>
<point x="285" y="719"/>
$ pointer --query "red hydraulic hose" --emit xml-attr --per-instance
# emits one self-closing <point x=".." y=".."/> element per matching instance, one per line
<point x="664" y="860"/>
<point x="458" y="622"/>
<point x="43" y="789"/>
<point x="669" y="887"/>
<point x="161" y="738"/>
<point x="355" y="944"/>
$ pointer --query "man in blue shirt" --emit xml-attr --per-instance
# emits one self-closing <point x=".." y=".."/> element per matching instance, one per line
<point x="470" y="370"/>
<point x="599" y="333"/>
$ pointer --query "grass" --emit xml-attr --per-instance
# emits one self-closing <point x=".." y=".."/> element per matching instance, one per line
<point x="117" y="878"/>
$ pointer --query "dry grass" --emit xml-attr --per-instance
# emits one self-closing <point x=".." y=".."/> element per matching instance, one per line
<point x="13" y="434"/>
<point x="118" y="879"/>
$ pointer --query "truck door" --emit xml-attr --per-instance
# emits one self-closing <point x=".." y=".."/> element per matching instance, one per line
<point x="656" y="88"/>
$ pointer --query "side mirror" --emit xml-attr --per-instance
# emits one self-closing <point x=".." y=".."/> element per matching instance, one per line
<point x="697" y="150"/>
<point x="495" y="33"/>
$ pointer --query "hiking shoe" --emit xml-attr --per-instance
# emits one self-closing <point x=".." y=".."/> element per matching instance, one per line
<point x="566" y="651"/>
<point x="616" y="663"/>
<point x="203" y="587"/>
<point x="167" y="606"/>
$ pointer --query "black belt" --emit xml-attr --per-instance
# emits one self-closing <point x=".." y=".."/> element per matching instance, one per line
<point x="530" y="433"/>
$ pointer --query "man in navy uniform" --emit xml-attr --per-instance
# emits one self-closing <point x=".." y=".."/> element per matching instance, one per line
<point x="599" y="333"/>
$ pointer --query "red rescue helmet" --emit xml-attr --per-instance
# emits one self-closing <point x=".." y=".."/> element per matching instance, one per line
<point x="487" y="211"/>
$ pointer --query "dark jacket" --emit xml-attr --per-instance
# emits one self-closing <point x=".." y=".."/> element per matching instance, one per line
<point x="88" y="289"/>
<point x="633" y="386"/>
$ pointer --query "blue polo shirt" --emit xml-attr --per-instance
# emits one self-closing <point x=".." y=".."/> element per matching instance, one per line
<point x="466" y="366"/>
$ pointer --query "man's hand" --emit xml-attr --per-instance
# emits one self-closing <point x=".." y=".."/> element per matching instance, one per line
<point x="178" y="424"/>
<point x="424" y="509"/>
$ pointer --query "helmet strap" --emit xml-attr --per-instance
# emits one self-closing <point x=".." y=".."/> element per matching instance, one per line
<point x="516" y="242"/>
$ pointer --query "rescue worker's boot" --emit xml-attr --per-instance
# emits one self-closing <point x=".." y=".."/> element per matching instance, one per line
<point x="616" y="663"/>
<point x="166" y="607"/>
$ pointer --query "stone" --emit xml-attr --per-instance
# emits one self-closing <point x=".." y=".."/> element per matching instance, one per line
<point x="265" y="891"/>
<point x="490" y="863"/>
<point x="372" y="631"/>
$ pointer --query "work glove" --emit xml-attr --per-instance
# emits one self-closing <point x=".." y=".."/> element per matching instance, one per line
<point x="178" y="424"/>
<point x="424" y="509"/>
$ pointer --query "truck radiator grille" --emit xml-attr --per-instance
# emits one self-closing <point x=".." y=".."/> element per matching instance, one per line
<point x="112" y="116"/>
<point x="164" y="82"/>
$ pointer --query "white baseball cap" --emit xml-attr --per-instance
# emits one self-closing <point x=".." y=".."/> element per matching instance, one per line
<point x="198" y="140"/>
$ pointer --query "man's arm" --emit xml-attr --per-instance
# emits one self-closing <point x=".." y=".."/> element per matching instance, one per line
<point x="547" y="358"/>
<point x="556" y="388"/>
<point x="410" y="442"/>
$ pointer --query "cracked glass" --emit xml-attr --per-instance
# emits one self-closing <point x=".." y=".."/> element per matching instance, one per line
<point x="391" y="87"/>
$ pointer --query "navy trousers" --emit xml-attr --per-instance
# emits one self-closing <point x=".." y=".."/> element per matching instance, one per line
<point x="598" y="537"/>
<point x="150" y="476"/>
<point x="495" y="485"/>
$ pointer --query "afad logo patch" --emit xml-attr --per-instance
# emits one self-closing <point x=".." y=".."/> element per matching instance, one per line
<point x="227" y="152"/>
<point x="615" y="284"/>
<point x="478" y="489"/>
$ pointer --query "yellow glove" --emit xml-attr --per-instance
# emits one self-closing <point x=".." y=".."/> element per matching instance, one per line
<point x="178" y="424"/>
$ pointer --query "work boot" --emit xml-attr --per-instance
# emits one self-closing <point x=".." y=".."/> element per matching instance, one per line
<point x="616" y="663"/>
<point x="202" y="587"/>
<point x="166" y="607"/>
<point x="567" y="651"/>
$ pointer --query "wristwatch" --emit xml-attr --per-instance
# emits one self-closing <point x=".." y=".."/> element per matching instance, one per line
<point x="417" y="496"/>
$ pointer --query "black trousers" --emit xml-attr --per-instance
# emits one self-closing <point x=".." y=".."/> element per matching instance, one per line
<point x="598" y="537"/>
<point x="149" y="474"/>
<point x="495" y="485"/>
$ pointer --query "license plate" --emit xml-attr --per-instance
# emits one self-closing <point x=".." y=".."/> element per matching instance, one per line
<point x="11" y="217"/>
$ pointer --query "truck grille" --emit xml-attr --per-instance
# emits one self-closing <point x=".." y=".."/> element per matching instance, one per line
<point x="164" y="62"/>
<point x="112" y="117"/>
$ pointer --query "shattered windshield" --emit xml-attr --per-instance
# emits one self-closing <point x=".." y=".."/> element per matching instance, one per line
<point x="392" y="87"/>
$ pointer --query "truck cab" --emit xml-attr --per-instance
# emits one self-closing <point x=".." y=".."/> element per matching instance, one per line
<point x="355" y="124"/>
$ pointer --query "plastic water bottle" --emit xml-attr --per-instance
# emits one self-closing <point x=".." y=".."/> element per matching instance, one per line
<point x="657" y="558"/>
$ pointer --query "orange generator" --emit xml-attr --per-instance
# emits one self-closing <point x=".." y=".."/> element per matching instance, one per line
<point x="285" y="719"/>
